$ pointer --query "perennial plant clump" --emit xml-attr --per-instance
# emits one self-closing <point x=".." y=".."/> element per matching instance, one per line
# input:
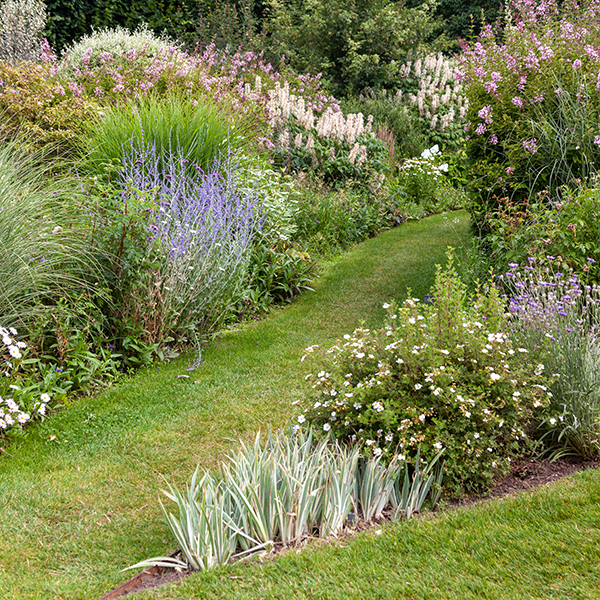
<point x="177" y="239"/>
<point x="20" y="398"/>
<point x="569" y="229"/>
<point x="288" y="490"/>
<point x="556" y="317"/>
<point x="430" y="89"/>
<point x="441" y="376"/>
<point x="336" y="146"/>
<point x="534" y="99"/>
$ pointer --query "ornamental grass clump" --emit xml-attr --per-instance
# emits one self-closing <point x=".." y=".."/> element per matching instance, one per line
<point x="556" y="317"/>
<point x="440" y="376"/>
<point x="198" y="132"/>
<point x="286" y="491"/>
<point x="42" y="255"/>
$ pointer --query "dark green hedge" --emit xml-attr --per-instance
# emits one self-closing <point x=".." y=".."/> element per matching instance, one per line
<point x="227" y="22"/>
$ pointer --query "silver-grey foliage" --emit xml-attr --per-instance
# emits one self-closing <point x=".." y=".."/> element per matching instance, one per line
<point x="287" y="490"/>
<point x="21" y="25"/>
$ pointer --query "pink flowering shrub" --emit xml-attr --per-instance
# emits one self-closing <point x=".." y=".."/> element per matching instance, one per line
<point x="52" y="100"/>
<point x="440" y="376"/>
<point x="534" y="100"/>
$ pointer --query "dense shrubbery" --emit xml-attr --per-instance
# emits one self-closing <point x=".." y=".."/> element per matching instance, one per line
<point x="21" y="26"/>
<point x="355" y="44"/>
<point x="445" y="375"/>
<point x="568" y="229"/>
<point x="533" y="102"/>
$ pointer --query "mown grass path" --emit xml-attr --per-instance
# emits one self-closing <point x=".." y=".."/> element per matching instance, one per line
<point x="79" y="496"/>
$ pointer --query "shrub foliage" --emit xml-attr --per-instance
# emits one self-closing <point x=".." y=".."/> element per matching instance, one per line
<point x="440" y="376"/>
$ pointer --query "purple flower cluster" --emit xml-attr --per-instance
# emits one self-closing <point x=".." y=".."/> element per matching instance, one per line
<point x="515" y="70"/>
<point x="548" y="299"/>
<point x="201" y="229"/>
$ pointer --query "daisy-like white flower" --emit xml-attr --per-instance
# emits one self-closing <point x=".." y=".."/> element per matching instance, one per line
<point x="301" y="419"/>
<point x="45" y="397"/>
<point x="3" y="424"/>
<point x="9" y="420"/>
<point x="539" y="369"/>
<point x="13" y="330"/>
<point x="377" y="451"/>
<point x="494" y="376"/>
<point x="42" y="409"/>
<point x="418" y="386"/>
<point x="438" y="445"/>
<point x="23" y="418"/>
<point x="12" y="405"/>
<point x="326" y="427"/>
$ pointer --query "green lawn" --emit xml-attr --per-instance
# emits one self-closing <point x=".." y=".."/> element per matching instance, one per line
<point x="543" y="544"/>
<point x="80" y="493"/>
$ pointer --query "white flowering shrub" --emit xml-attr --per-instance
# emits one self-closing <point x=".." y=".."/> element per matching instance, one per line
<point x="435" y="96"/>
<point x="421" y="176"/>
<point x="336" y="146"/>
<point x="438" y="376"/>
<point x="19" y="401"/>
<point x="21" y="25"/>
<point x="111" y="46"/>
